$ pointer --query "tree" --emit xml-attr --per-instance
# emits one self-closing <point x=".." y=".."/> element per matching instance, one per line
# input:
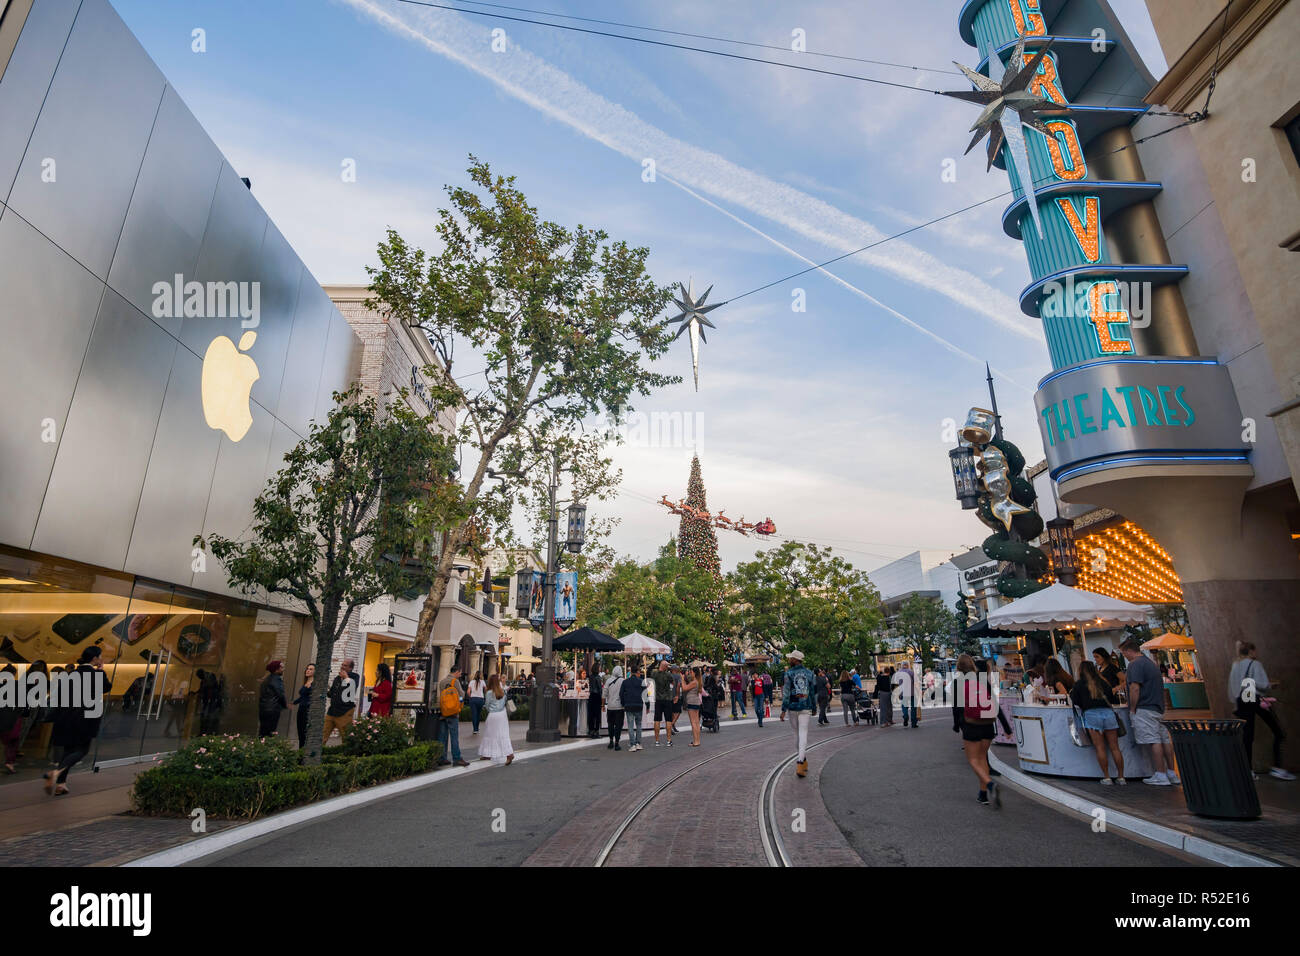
<point x="801" y="596"/>
<point x="563" y="325"/>
<point x="921" y="623"/>
<point x="666" y="599"/>
<point x="349" y="518"/>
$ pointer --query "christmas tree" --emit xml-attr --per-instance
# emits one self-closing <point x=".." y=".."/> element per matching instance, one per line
<point x="696" y="540"/>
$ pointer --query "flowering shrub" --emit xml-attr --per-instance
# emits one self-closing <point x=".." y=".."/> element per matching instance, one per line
<point x="231" y="755"/>
<point x="376" y="735"/>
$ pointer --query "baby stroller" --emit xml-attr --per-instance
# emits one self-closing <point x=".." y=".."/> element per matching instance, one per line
<point x="866" y="705"/>
<point x="709" y="713"/>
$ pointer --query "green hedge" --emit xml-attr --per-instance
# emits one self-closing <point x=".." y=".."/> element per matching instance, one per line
<point x="163" y="791"/>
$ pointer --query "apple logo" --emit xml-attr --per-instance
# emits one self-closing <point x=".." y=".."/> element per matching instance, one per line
<point x="228" y="378"/>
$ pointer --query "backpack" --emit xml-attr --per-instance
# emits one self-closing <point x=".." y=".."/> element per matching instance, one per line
<point x="449" y="700"/>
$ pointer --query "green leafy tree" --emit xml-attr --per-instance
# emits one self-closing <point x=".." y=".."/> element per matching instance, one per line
<point x="560" y="324"/>
<point x="666" y="599"/>
<point x="805" y="597"/>
<point x="921" y="624"/>
<point x="350" y="517"/>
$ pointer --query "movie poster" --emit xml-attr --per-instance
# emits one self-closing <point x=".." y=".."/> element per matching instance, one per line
<point x="566" y="597"/>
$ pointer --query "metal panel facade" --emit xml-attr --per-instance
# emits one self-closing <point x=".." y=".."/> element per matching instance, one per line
<point x="131" y="469"/>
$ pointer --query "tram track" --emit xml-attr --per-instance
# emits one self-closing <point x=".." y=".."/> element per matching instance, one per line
<point x="773" y="846"/>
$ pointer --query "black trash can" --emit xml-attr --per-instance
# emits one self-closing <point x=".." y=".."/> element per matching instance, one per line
<point x="1217" y="781"/>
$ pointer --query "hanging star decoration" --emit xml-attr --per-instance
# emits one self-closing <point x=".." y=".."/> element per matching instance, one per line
<point x="1008" y="103"/>
<point x="693" y="320"/>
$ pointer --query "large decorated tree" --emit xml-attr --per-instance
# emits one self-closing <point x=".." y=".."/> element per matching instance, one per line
<point x="696" y="540"/>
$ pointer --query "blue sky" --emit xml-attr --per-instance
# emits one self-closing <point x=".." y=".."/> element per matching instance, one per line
<point x="831" y="421"/>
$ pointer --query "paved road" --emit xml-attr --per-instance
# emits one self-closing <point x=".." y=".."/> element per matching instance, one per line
<point x="883" y="796"/>
<point x="908" y="799"/>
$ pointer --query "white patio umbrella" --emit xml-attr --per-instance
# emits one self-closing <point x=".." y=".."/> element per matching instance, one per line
<point x="1062" y="606"/>
<point x="638" y="643"/>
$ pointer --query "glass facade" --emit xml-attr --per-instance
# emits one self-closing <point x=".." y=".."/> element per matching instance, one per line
<point x="180" y="662"/>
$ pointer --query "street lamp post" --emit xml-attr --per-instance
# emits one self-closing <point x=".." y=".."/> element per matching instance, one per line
<point x="1065" y="559"/>
<point x="544" y="711"/>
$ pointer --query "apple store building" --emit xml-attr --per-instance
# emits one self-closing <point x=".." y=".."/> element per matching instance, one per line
<point x="163" y="347"/>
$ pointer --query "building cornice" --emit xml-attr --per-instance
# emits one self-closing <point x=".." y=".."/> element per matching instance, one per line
<point x="1188" y="76"/>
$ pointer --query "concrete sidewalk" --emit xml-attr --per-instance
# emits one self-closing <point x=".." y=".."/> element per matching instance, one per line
<point x="1160" y="813"/>
<point x="92" y="825"/>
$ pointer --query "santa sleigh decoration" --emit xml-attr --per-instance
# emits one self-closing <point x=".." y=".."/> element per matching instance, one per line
<point x="720" y="520"/>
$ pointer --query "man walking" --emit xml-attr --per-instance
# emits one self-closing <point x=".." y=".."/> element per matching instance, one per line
<point x="343" y="697"/>
<point x="450" y="701"/>
<point x="760" y="697"/>
<point x="665" y="701"/>
<point x="736" y="683"/>
<point x="1146" y="705"/>
<point x="905" y="684"/>
<point x="797" y="698"/>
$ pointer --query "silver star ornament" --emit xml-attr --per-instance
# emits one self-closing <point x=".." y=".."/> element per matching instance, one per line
<point x="693" y="319"/>
<point x="1007" y="104"/>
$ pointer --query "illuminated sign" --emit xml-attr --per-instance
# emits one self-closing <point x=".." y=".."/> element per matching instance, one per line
<point x="1138" y="410"/>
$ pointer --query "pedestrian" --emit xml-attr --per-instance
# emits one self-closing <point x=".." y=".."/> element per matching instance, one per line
<point x="905" y="681"/>
<point x="343" y="699"/>
<point x="822" y="684"/>
<point x="495" y="745"/>
<point x="381" y="695"/>
<point x="594" y="692"/>
<point x="760" y="696"/>
<point x="885" y="696"/>
<point x="632" y="696"/>
<point x="612" y="701"/>
<point x="271" y="700"/>
<point x="1146" y="704"/>
<point x="1094" y="697"/>
<point x="1248" y="688"/>
<point x="303" y="703"/>
<point x="1106" y="668"/>
<point x="75" y="728"/>
<point x="678" y="699"/>
<point x="39" y="712"/>
<point x="691" y="689"/>
<point x="664" y="701"/>
<point x="797" y="690"/>
<point x="11" y="719"/>
<point x="450" y="704"/>
<point x="477" y="691"/>
<point x="848" y="698"/>
<point x="736" y="684"/>
<point x="972" y="717"/>
<point x="767" y="693"/>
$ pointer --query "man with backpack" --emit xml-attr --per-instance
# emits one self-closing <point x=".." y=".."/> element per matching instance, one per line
<point x="797" y="691"/>
<point x="450" y="705"/>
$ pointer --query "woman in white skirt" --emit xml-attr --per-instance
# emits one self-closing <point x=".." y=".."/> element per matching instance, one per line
<point x="495" y="744"/>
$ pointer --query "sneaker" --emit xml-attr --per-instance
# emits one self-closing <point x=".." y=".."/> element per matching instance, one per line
<point x="1106" y="781"/>
<point x="1157" y="780"/>
<point x="669" y="744"/>
<point x="1281" y="774"/>
<point x="656" y="743"/>
<point x="617" y="747"/>
<point x="610" y="745"/>
<point x="1121" y="781"/>
<point x="801" y="767"/>
<point x="1173" y="778"/>
<point x="983" y="799"/>
<point x="996" y="793"/>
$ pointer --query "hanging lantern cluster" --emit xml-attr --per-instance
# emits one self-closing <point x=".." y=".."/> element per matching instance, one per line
<point x="987" y="478"/>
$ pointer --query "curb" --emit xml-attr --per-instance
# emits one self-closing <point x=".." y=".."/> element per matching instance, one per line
<point x="1130" y="825"/>
<point x="225" y="839"/>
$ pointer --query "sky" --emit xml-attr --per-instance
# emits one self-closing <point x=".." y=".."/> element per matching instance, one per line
<point x="834" y="421"/>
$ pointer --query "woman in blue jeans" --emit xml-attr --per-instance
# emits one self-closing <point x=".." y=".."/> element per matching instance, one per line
<point x="477" y="693"/>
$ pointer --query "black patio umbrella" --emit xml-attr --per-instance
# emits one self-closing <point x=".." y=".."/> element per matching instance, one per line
<point x="587" y="639"/>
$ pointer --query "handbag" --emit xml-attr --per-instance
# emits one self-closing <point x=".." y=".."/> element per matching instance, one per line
<point x="1078" y="733"/>
<point x="511" y="706"/>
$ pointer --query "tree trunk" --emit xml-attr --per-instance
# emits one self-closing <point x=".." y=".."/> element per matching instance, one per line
<point x="320" y="688"/>
<point x="437" y="591"/>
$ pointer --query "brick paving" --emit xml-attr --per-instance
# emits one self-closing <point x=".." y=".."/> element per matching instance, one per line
<point x="107" y="841"/>
<point x="820" y="843"/>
